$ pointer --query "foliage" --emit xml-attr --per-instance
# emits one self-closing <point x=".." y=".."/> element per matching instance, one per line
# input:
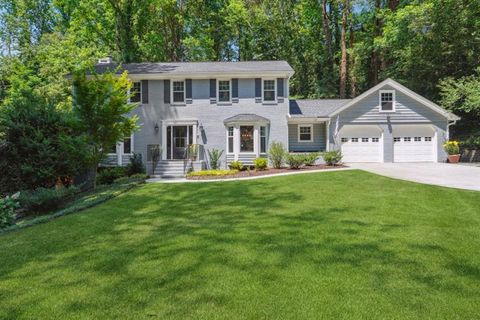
<point x="136" y="164"/>
<point x="101" y="105"/>
<point x="260" y="164"/>
<point x="277" y="154"/>
<point x="155" y="152"/>
<point x="310" y="158"/>
<point x="332" y="157"/>
<point x="193" y="151"/>
<point x="39" y="145"/>
<point x="138" y="177"/>
<point x="295" y="161"/>
<point x="203" y="173"/>
<point x="451" y="147"/>
<point x="470" y="143"/>
<point x="215" y="156"/>
<point x="8" y="205"/>
<point x="110" y="174"/>
<point x="236" y="165"/>
<point x="46" y="199"/>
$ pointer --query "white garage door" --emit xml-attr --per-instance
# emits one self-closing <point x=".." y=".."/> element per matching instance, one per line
<point x="413" y="143"/>
<point x="361" y="143"/>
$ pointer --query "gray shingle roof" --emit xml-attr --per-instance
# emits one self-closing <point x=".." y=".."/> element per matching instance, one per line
<point x="196" y="67"/>
<point x="315" y="108"/>
<point x="246" y="117"/>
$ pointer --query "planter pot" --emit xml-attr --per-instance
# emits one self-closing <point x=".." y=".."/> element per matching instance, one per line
<point x="453" y="158"/>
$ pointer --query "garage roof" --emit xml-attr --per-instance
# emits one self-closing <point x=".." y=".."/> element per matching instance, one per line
<point x="315" y="108"/>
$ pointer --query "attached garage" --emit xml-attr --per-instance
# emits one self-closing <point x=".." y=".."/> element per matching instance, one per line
<point x="361" y="143"/>
<point x="414" y="143"/>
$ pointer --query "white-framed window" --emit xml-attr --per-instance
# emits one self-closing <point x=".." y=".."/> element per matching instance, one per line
<point x="417" y="139"/>
<point x="407" y="139"/>
<point x="364" y="139"/>
<point x="375" y="139"/>
<point x="247" y="141"/>
<point x="344" y="139"/>
<point x="263" y="139"/>
<point x="354" y="139"/>
<point x="387" y="100"/>
<point x="178" y="91"/>
<point x="136" y="92"/>
<point x="230" y="140"/>
<point x="305" y="133"/>
<point x="224" y="90"/>
<point x="269" y="90"/>
<point x="428" y="139"/>
<point x="396" y="139"/>
<point x="128" y="145"/>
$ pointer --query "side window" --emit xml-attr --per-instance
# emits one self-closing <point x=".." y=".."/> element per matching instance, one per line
<point x="230" y="140"/>
<point x="136" y="92"/>
<point x="263" y="139"/>
<point x="305" y="133"/>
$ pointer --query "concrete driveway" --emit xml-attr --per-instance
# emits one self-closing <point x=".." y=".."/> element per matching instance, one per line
<point x="440" y="174"/>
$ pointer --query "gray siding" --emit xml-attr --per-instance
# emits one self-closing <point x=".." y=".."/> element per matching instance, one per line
<point x="208" y="115"/>
<point x="318" y="143"/>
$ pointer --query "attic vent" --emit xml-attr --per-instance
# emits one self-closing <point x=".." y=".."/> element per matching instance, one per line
<point x="105" y="60"/>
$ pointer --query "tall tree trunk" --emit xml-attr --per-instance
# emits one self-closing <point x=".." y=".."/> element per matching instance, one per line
<point x="375" y="55"/>
<point x="327" y="32"/>
<point x="124" y="28"/>
<point x="343" y="46"/>
<point x="353" y="62"/>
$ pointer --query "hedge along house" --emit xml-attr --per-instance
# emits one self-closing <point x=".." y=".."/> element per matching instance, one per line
<point x="187" y="108"/>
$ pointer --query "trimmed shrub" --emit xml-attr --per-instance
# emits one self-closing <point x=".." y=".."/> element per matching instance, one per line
<point x="332" y="157"/>
<point x="108" y="175"/>
<point x="139" y="177"/>
<point x="277" y="154"/>
<point x="236" y="165"/>
<point x="212" y="173"/>
<point x="8" y="205"/>
<point x="136" y="165"/>
<point x="310" y="158"/>
<point x="260" y="164"/>
<point x="295" y="161"/>
<point x="46" y="199"/>
<point x="215" y="156"/>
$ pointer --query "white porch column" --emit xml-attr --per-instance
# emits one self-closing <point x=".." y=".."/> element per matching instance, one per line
<point x="164" y="140"/>
<point x="194" y="134"/>
<point x="236" y="141"/>
<point x="256" y="140"/>
<point x="327" y="146"/>
<point x="119" y="153"/>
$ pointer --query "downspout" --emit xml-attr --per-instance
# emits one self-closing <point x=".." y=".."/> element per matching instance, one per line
<point x="448" y="128"/>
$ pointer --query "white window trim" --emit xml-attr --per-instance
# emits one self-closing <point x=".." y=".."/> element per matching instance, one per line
<point x="260" y="139"/>
<point x="305" y="126"/>
<point x="131" y="146"/>
<point x="184" y="92"/>
<point x="218" y="92"/>
<point x="129" y="92"/>
<point x="233" y="152"/>
<point x="274" y="101"/>
<point x="394" y="101"/>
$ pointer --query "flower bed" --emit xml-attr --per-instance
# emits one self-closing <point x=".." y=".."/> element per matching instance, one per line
<point x="230" y="174"/>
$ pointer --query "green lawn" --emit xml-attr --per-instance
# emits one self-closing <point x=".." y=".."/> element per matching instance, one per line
<point x="336" y="245"/>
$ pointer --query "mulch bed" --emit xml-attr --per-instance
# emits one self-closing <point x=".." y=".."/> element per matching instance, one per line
<point x="267" y="172"/>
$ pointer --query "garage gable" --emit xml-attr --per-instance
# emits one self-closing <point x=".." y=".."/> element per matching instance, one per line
<point x="407" y="106"/>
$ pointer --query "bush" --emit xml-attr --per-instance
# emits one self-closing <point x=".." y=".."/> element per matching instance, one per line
<point x="212" y="173"/>
<point x="295" y="161"/>
<point x="136" y="165"/>
<point x="215" y="156"/>
<point x="332" y="157"/>
<point x="139" y="177"/>
<point x="276" y="154"/>
<point x="8" y="205"/>
<point x="310" y="158"/>
<point x="470" y="143"/>
<point x="236" y="165"/>
<point x="109" y="175"/>
<point x="451" y="147"/>
<point x="260" y="164"/>
<point x="46" y="199"/>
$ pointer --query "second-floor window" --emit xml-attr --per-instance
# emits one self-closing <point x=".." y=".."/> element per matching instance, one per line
<point x="269" y="90"/>
<point x="178" y="91"/>
<point x="224" y="91"/>
<point x="136" y="92"/>
<point x="387" y="101"/>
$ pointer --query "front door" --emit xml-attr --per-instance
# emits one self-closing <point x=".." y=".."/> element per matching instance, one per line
<point x="178" y="139"/>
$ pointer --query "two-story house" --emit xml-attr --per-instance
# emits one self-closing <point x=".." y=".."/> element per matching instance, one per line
<point x="241" y="107"/>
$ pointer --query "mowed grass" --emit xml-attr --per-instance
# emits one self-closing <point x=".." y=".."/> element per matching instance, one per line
<point x="333" y="245"/>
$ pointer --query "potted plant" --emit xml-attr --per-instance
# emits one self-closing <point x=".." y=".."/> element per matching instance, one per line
<point x="453" y="150"/>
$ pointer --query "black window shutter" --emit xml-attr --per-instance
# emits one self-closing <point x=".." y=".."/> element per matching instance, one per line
<point x="213" y="91"/>
<point x="280" y="94"/>
<point x="234" y="90"/>
<point x="145" y="91"/>
<point x="166" y="91"/>
<point x="188" y="92"/>
<point x="258" y="90"/>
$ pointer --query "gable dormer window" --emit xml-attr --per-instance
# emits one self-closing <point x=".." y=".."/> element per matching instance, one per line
<point x="224" y="91"/>
<point x="136" y="92"/>
<point x="387" y="100"/>
<point x="269" y="90"/>
<point x="178" y="92"/>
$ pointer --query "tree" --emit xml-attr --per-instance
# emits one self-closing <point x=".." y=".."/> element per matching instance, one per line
<point x="343" y="41"/>
<point x="101" y="104"/>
